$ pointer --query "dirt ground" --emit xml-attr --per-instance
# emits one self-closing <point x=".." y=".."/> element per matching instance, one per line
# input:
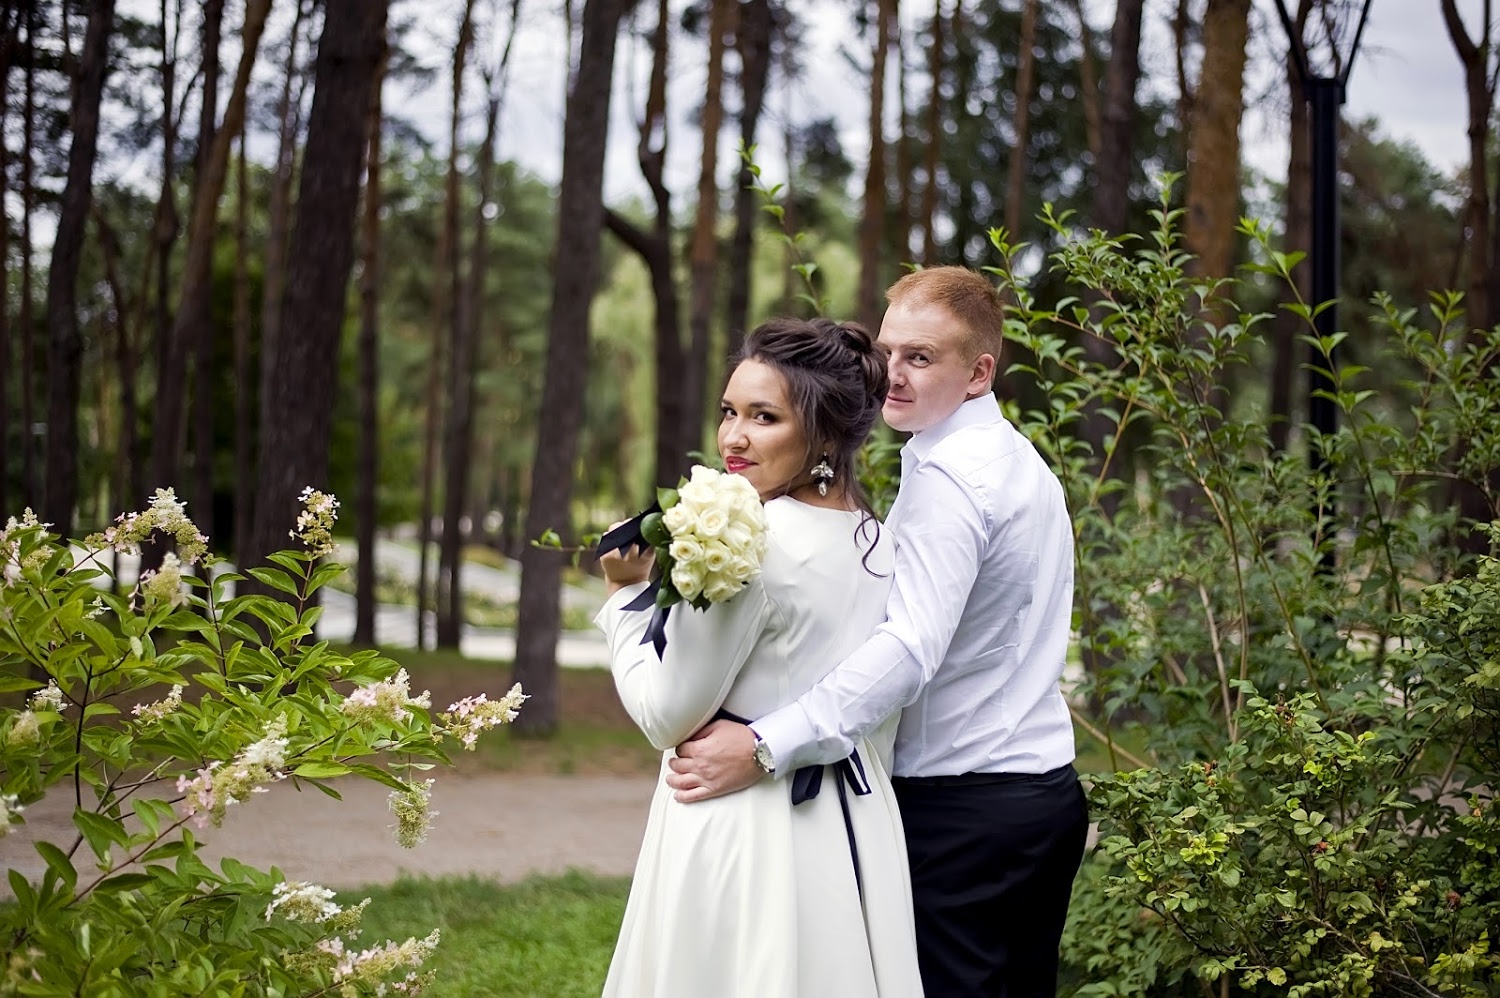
<point x="530" y="807"/>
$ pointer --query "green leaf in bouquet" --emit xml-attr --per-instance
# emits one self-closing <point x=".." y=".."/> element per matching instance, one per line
<point x="666" y="596"/>
<point x="666" y="498"/>
<point x="655" y="531"/>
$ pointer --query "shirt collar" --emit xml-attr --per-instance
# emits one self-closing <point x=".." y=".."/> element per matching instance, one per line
<point x="978" y="411"/>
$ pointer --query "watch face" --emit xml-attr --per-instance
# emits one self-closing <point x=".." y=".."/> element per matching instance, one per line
<point x="763" y="756"/>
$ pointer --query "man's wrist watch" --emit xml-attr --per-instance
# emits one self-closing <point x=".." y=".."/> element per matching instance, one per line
<point x="763" y="757"/>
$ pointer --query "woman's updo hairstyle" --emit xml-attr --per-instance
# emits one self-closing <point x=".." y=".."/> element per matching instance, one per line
<point x="836" y="380"/>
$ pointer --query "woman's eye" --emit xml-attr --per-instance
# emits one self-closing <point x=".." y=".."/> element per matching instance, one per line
<point x="725" y="412"/>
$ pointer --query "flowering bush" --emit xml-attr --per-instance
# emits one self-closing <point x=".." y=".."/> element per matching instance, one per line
<point x="159" y="710"/>
<point x="710" y="537"/>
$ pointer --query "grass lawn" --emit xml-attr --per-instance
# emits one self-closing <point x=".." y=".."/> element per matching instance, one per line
<point x="542" y="938"/>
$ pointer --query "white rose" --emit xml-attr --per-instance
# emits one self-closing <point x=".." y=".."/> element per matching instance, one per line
<point x="678" y="520"/>
<point x="740" y="568"/>
<point x="711" y="522"/>
<point x="685" y="549"/>
<point x="715" y="557"/>
<point x="720" y="590"/>
<point x="702" y="474"/>
<point x="687" y="580"/>
<point x="737" y="537"/>
<point x="696" y="495"/>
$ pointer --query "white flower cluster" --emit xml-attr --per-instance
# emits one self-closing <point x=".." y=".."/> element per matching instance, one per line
<point x="48" y="698"/>
<point x="166" y="514"/>
<point x="209" y="794"/>
<point x="384" y="701"/>
<point x="164" y="585"/>
<point x="320" y="511"/>
<point x="471" y="715"/>
<point x="150" y="713"/>
<point x="10" y="811"/>
<point x="372" y="965"/>
<point x="413" y="810"/>
<point x="718" y="529"/>
<point x="299" y="901"/>
<point x="11" y="562"/>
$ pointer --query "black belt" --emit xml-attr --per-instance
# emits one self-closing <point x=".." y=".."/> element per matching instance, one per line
<point x="808" y="781"/>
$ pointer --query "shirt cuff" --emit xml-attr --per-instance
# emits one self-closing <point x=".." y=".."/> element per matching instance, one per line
<point x="785" y="731"/>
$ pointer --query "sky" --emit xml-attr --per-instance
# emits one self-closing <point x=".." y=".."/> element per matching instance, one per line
<point x="1405" y="73"/>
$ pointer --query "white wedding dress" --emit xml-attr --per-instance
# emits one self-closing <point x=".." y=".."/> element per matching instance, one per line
<point x="746" y="895"/>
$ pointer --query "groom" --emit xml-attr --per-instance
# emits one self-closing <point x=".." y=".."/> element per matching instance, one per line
<point x="973" y="647"/>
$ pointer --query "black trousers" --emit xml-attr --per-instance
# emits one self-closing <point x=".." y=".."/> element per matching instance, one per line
<point x="993" y="856"/>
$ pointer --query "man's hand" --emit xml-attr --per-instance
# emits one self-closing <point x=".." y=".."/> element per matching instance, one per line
<point x="719" y="759"/>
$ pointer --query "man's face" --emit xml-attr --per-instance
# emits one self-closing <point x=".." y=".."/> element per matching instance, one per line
<point x="931" y="374"/>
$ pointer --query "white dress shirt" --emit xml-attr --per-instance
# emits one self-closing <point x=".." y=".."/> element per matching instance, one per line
<point x="978" y="621"/>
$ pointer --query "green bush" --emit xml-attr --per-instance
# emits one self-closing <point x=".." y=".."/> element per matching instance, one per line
<point x="230" y="694"/>
<point x="1297" y="635"/>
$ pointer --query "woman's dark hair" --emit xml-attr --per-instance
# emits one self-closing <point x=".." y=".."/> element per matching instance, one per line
<point x="836" y="381"/>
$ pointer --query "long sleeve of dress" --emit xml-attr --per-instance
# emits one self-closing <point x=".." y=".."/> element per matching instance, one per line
<point x="671" y="697"/>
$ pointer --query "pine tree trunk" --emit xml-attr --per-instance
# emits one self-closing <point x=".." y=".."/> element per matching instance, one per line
<point x="25" y="317"/>
<point x="7" y="365"/>
<point x="297" y="404"/>
<point x="1298" y="228"/>
<point x="166" y="225"/>
<point x="928" y="213"/>
<point x="1088" y="78"/>
<point x="64" y="341"/>
<point x="203" y="382"/>
<point x="872" y="218"/>
<point x="704" y="252"/>
<point x="444" y="298"/>
<point x="126" y="446"/>
<point x="366" y="509"/>
<point x="197" y="272"/>
<point x="244" y="375"/>
<point x="1015" y="188"/>
<point x="1213" y="176"/>
<point x="753" y="39"/>
<point x="459" y="445"/>
<point x="580" y="215"/>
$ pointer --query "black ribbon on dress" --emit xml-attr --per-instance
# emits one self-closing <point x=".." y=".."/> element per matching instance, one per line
<point x="628" y="534"/>
<point x="807" y="782"/>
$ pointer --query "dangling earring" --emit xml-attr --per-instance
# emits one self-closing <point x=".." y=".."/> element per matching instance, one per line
<point x="822" y="473"/>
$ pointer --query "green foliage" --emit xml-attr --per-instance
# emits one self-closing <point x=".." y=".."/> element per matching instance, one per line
<point x="1295" y="636"/>
<point x="231" y="693"/>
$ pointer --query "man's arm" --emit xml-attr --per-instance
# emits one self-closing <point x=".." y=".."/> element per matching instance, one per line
<point x="939" y="543"/>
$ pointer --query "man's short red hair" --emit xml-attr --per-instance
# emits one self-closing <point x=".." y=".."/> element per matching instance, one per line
<point x="967" y="295"/>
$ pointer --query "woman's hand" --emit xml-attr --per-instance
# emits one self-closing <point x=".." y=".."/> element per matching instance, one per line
<point x="626" y="567"/>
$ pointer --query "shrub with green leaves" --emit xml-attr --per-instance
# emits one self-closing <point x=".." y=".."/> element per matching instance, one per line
<point x="1289" y="655"/>
<point x="158" y="710"/>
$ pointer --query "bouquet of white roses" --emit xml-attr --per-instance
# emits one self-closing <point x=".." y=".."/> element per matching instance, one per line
<point x="709" y="535"/>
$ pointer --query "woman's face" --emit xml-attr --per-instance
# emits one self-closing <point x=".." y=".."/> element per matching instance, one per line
<point x="760" y="436"/>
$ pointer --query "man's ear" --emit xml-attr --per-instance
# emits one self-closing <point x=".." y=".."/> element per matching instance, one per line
<point x="981" y="375"/>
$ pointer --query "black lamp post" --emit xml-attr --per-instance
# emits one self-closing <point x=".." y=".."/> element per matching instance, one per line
<point x="1324" y="95"/>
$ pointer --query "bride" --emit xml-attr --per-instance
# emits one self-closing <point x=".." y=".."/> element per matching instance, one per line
<point x="795" y="887"/>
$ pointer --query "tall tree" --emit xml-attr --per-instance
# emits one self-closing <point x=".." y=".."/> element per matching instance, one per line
<point x="9" y="42"/>
<point x="368" y="473"/>
<point x="464" y="366"/>
<point x="580" y="215"/>
<point x="872" y="218"/>
<point x="1213" y="176"/>
<point x="1482" y="287"/>
<point x="1296" y="237"/>
<point x="297" y="403"/>
<point x="934" y="136"/>
<point x="64" y="341"/>
<point x="125" y="486"/>
<point x="1015" y="188"/>
<point x="278" y="225"/>
<point x="197" y="271"/>
<point x="445" y="288"/>
<point x="24" y="318"/>
<point x="655" y="250"/>
<point x="205" y="399"/>
<point x="244" y="373"/>
<point x="752" y="39"/>
<point x="167" y="224"/>
<point x="703" y="252"/>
